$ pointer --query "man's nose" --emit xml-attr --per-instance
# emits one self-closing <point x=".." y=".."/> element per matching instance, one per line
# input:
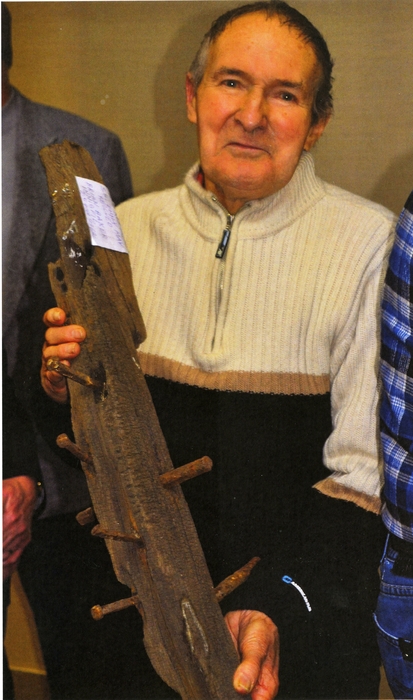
<point x="252" y="112"/>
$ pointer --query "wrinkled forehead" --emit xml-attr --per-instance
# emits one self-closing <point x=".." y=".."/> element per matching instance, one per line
<point x="269" y="47"/>
<point x="255" y="35"/>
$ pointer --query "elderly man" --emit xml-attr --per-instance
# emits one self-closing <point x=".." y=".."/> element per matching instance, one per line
<point x="260" y="288"/>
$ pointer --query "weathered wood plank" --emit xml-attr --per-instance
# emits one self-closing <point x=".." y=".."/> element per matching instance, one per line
<point x="116" y="426"/>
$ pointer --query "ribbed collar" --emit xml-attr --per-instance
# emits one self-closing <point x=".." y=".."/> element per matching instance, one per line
<point x="258" y="217"/>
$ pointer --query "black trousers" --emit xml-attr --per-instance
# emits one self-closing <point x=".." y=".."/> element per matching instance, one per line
<point x="331" y="650"/>
<point x="328" y="652"/>
<point x="65" y="571"/>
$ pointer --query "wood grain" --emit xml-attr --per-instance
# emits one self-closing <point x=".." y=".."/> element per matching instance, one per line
<point x="115" y="424"/>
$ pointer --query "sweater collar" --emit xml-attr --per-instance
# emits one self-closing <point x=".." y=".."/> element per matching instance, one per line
<point x="269" y="214"/>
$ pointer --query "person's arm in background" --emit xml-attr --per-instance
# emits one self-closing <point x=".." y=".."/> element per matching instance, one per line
<point x="19" y="500"/>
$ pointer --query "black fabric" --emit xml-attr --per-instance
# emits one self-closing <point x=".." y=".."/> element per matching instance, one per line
<point x="409" y="203"/>
<point x="19" y="448"/>
<point x="403" y="565"/>
<point x="259" y="501"/>
<point x="266" y="452"/>
<point x="330" y="651"/>
<point x="49" y="418"/>
<point x="401" y="546"/>
<point x="85" y="659"/>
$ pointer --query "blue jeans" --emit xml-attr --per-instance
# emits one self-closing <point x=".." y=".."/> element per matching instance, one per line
<point x="394" y="624"/>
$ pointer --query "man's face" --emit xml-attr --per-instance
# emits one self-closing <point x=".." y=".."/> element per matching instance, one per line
<point x="253" y="109"/>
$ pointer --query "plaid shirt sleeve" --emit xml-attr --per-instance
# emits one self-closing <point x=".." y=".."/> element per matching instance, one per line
<point x="397" y="377"/>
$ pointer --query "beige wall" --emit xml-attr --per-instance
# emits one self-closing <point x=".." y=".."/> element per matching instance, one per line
<point x="122" y="64"/>
<point x="22" y="643"/>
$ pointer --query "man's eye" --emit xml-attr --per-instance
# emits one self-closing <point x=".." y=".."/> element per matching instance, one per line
<point x="287" y="97"/>
<point x="230" y="82"/>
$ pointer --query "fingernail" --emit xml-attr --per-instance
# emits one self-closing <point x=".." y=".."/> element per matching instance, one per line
<point x="56" y="315"/>
<point x="77" y="334"/>
<point x="243" y="683"/>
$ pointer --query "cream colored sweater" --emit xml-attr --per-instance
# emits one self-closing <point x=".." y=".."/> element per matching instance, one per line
<point x="291" y="309"/>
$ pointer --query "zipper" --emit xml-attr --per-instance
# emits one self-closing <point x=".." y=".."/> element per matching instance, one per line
<point x="220" y="255"/>
<point x="221" y="250"/>
<point x="225" y="237"/>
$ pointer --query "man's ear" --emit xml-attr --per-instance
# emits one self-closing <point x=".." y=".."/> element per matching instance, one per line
<point x="315" y="132"/>
<point x="190" y="90"/>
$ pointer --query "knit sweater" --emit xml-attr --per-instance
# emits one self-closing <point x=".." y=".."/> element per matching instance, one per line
<point x="291" y="310"/>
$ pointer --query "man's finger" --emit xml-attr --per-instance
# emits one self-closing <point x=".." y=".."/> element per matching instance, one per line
<point x="54" y="317"/>
<point x="256" y="638"/>
<point x="254" y="647"/>
<point x="57" y="336"/>
<point x="265" y="687"/>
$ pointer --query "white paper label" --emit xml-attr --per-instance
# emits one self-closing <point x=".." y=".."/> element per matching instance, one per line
<point x="105" y="230"/>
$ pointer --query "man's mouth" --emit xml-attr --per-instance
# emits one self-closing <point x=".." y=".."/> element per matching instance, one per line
<point x="251" y="148"/>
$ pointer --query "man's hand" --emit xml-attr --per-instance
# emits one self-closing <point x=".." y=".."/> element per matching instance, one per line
<point x="63" y="342"/>
<point x="256" y="639"/>
<point x="19" y="499"/>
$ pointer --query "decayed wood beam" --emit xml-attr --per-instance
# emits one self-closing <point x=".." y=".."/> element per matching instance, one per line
<point x="117" y="430"/>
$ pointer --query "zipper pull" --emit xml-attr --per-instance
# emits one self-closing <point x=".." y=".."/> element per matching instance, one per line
<point x="225" y="238"/>
<point x="224" y="242"/>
